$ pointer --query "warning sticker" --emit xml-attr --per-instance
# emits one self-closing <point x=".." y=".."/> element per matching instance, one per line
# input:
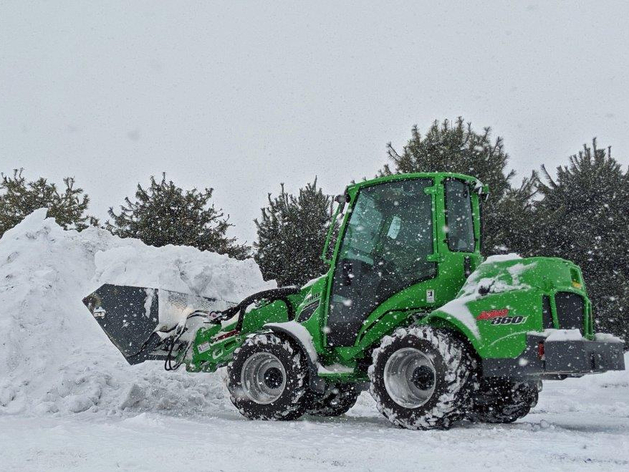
<point x="203" y="347"/>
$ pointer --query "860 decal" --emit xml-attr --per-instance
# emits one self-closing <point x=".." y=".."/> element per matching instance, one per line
<point x="501" y="317"/>
<point x="513" y="320"/>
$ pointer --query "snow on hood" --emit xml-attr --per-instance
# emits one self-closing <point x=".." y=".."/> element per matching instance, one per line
<point x="53" y="355"/>
<point x="504" y="281"/>
<point x="311" y="282"/>
<point x="502" y="257"/>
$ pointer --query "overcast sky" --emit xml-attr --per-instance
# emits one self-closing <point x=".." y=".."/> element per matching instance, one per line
<point x="242" y="96"/>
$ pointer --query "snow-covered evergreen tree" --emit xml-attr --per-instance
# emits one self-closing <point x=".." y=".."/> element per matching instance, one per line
<point x="291" y="235"/>
<point x="513" y="227"/>
<point x="456" y="147"/>
<point x="584" y="217"/>
<point x="19" y="198"/>
<point x="166" y="214"/>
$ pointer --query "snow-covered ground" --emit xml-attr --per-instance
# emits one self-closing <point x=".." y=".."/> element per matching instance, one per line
<point x="68" y="401"/>
<point x="578" y="425"/>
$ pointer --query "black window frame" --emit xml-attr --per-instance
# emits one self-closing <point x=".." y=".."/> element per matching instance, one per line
<point x="547" y="313"/>
<point x="445" y="204"/>
<point x="566" y="318"/>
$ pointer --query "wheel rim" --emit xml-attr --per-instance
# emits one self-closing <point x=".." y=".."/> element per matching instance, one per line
<point x="263" y="378"/>
<point x="410" y="377"/>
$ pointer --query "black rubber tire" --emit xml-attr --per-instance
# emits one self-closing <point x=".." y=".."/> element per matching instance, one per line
<point x="294" y="399"/>
<point x="500" y="400"/>
<point x="453" y="366"/>
<point x="336" y="401"/>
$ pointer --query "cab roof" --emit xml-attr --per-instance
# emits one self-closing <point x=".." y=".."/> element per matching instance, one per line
<point x="353" y="188"/>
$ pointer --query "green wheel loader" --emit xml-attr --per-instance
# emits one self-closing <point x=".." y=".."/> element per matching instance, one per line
<point x="408" y="309"/>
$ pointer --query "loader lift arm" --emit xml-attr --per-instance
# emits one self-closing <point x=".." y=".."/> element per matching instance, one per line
<point x="136" y="318"/>
<point x="272" y="295"/>
<point x="177" y="350"/>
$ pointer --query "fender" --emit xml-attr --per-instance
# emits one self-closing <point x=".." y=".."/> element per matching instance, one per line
<point x="441" y="319"/>
<point x="474" y="316"/>
<point x="300" y="336"/>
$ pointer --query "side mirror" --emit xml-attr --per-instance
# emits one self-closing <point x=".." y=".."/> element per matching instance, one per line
<point x="481" y="189"/>
<point x="342" y="199"/>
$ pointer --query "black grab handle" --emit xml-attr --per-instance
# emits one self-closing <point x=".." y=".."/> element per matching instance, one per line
<point x="270" y="295"/>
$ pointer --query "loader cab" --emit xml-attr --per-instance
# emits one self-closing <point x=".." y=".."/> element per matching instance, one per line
<point x="411" y="238"/>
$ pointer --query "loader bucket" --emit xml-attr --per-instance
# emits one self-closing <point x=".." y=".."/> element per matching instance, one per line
<point x="138" y="319"/>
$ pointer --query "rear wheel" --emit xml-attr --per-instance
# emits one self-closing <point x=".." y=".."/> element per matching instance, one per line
<point x="501" y="400"/>
<point x="336" y="401"/>
<point x="267" y="379"/>
<point x="420" y="378"/>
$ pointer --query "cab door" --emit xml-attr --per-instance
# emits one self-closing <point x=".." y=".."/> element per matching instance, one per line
<point x="385" y="249"/>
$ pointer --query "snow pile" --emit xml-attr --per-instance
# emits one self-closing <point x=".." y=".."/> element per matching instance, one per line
<point x="53" y="355"/>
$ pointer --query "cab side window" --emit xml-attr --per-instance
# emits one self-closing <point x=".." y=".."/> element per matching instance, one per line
<point x="459" y="220"/>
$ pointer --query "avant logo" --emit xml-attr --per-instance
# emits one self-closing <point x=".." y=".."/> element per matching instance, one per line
<point x="488" y="315"/>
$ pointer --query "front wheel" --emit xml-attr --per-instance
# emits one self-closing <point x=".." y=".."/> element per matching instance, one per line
<point x="267" y="379"/>
<point x="420" y="378"/>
